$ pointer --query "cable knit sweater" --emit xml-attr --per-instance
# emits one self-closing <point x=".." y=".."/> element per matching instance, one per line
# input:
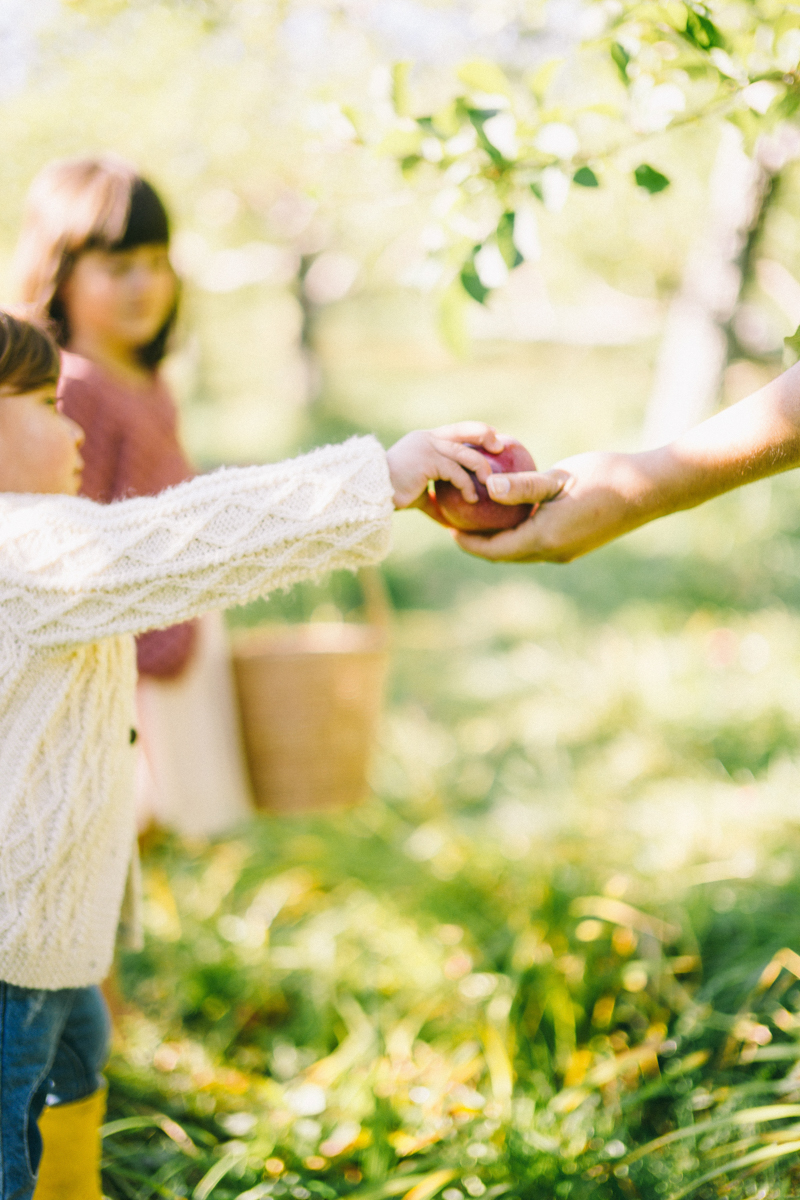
<point x="77" y="581"/>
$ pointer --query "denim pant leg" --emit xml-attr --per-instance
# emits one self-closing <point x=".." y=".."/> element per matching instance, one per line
<point x="82" y="1049"/>
<point x="33" y="1023"/>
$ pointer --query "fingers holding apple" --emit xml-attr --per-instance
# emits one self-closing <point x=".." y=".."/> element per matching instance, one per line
<point x="527" y="487"/>
<point x="481" y="479"/>
<point x="541" y="537"/>
<point x="475" y="433"/>
<point x="439" y="454"/>
<point x="494" y="510"/>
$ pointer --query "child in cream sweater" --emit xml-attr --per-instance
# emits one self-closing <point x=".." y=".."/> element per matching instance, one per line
<point x="77" y="581"/>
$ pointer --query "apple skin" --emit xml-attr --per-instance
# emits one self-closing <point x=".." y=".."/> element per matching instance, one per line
<point x="487" y="516"/>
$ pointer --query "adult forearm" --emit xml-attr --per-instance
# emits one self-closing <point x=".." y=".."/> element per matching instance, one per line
<point x="596" y="497"/>
<point x="758" y="437"/>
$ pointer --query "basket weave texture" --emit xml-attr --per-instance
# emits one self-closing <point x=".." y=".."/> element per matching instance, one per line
<point x="310" y="699"/>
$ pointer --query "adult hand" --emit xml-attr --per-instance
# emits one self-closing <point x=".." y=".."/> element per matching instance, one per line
<point x="585" y="501"/>
<point x="597" y="497"/>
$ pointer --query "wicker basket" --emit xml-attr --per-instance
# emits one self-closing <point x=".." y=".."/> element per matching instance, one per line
<point x="310" y="698"/>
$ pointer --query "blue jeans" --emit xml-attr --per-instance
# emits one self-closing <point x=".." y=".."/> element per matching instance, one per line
<point x="53" y="1046"/>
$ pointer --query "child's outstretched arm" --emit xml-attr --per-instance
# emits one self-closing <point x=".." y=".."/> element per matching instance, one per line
<point x="72" y="571"/>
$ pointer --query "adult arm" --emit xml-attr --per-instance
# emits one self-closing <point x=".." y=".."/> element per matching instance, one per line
<point x="591" y="499"/>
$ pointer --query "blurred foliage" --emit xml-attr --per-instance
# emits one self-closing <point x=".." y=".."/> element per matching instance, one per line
<point x="628" y="70"/>
<point x="291" y="199"/>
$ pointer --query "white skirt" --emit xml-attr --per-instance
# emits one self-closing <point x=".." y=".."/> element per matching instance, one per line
<point x="191" y="771"/>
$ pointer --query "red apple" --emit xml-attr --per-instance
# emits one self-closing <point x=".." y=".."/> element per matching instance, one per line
<point x="487" y="516"/>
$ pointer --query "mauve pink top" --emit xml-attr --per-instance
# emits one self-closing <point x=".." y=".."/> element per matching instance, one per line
<point x="131" y="449"/>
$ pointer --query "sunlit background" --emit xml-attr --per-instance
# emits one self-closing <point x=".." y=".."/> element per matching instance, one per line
<point x="538" y="945"/>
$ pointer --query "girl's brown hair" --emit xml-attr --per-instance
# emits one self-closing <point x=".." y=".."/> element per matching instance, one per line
<point x="29" y="357"/>
<point x="78" y="204"/>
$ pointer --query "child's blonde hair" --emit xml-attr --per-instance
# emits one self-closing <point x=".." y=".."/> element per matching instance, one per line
<point x="79" y="204"/>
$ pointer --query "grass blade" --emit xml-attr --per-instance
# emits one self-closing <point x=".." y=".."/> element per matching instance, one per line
<point x="758" y="1156"/>
<point x="126" y="1123"/>
<point x="158" y="1188"/>
<point x="766" y="1112"/>
<point x="172" y="1129"/>
<point x="392" y="1187"/>
<point x="218" y="1171"/>
<point x="430" y="1185"/>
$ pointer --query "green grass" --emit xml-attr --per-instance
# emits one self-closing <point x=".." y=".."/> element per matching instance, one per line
<point x="534" y="952"/>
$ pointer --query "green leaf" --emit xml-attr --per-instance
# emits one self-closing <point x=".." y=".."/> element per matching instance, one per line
<point x="484" y="76"/>
<point x="672" y="13"/>
<point x="479" y="117"/>
<point x="541" y="79"/>
<point x="505" y="241"/>
<point x="650" y="179"/>
<point x="788" y="105"/>
<point x="750" y="124"/>
<point x="791" y="348"/>
<point x="400" y="97"/>
<point x="354" y="117"/>
<point x="585" y="177"/>
<point x="447" y="121"/>
<point x="400" y="143"/>
<point x="621" y="59"/>
<point x="408" y="163"/>
<point x="701" y="32"/>
<point x="452" y="324"/>
<point x="470" y="280"/>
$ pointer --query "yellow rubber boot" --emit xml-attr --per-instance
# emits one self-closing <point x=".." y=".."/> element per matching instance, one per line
<point x="70" y="1166"/>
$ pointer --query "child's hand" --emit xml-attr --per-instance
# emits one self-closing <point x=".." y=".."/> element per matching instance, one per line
<point x="440" y="454"/>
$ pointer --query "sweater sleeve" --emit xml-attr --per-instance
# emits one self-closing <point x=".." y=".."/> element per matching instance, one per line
<point x="73" y="571"/>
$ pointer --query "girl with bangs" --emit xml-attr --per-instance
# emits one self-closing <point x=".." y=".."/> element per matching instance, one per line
<point x="93" y="259"/>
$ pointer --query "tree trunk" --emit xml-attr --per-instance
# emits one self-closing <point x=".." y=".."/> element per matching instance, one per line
<point x="694" y="348"/>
